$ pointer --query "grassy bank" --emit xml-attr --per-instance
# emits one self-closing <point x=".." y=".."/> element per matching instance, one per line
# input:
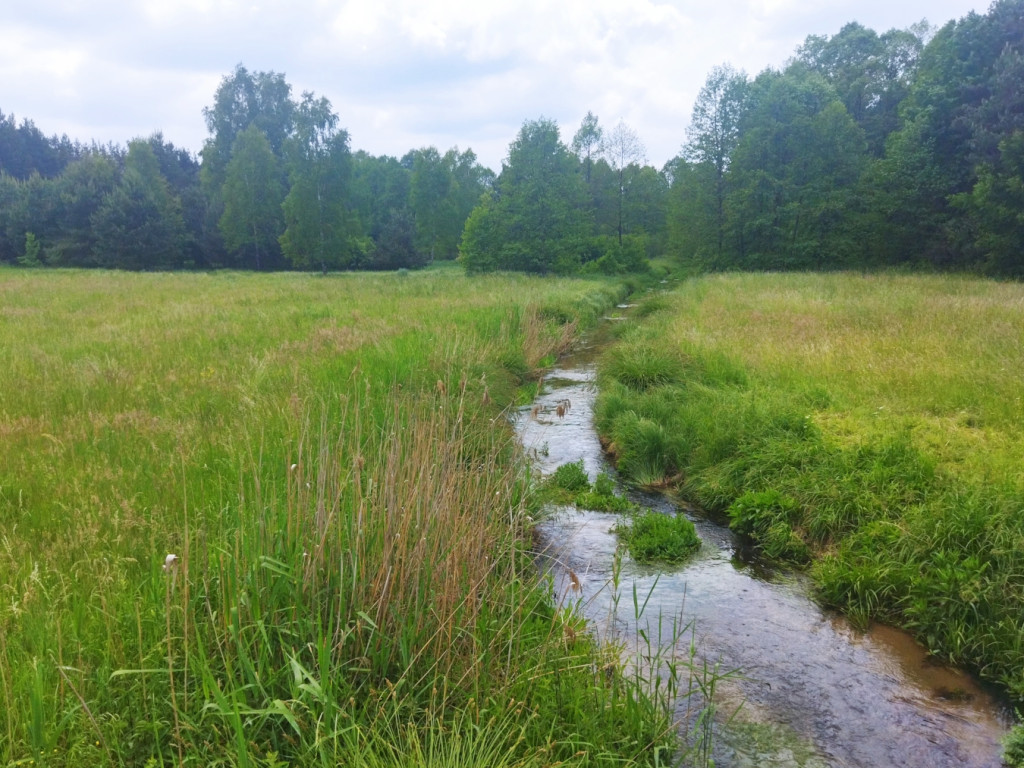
<point x="871" y="424"/>
<point x="326" y="460"/>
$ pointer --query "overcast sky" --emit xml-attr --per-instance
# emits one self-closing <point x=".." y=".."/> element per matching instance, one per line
<point x="404" y="74"/>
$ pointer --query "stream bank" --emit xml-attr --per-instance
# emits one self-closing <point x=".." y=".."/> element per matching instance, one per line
<point x="812" y="690"/>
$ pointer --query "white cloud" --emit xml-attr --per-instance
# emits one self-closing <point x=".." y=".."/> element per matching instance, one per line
<point x="407" y="73"/>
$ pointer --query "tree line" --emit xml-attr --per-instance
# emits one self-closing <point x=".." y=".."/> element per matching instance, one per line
<point x="865" y="150"/>
<point x="276" y="186"/>
<point x="905" y="148"/>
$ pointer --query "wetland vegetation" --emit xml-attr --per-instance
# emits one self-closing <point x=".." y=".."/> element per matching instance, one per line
<point x="264" y="518"/>
<point x="870" y="423"/>
<point x="328" y="462"/>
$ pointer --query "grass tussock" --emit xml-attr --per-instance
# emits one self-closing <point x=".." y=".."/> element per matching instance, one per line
<point x="570" y="484"/>
<point x="327" y="462"/>
<point x="651" y="537"/>
<point x="874" y="424"/>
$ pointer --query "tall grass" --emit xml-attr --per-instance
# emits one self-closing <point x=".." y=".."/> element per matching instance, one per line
<point x="327" y="460"/>
<point x="875" y="421"/>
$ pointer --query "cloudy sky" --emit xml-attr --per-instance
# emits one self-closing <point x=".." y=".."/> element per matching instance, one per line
<point x="408" y="73"/>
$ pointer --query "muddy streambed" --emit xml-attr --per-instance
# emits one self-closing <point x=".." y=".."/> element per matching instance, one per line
<point x="814" y="690"/>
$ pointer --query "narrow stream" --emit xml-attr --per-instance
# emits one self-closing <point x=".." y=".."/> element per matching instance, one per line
<point x="814" y="690"/>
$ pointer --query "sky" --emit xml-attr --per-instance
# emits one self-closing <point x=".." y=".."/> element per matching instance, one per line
<point x="405" y="74"/>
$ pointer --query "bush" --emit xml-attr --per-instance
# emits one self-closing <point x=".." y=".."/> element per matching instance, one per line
<point x="653" y="537"/>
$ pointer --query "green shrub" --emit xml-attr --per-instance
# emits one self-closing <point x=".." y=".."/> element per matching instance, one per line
<point x="654" y="537"/>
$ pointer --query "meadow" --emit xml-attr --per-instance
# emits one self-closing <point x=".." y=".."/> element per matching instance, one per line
<point x="260" y="520"/>
<point x="869" y="427"/>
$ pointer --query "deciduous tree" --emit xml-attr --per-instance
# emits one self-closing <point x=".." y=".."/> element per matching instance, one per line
<point x="252" y="220"/>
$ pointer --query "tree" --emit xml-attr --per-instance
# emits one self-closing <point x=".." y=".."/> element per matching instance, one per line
<point x="535" y="219"/>
<point x="252" y="220"/>
<point x="443" y="189"/>
<point x="396" y="246"/>
<point x="996" y="206"/>
<point x="318" y="223"/>
<point x="793" y="174"/>
<point x="80" y="191"/>
<point x="139" y="224"/>
<point x="30" y="258"/>
<point x="871" y="73"/>
<point x="963" y="104"/>
<point x="712" y="138"/>
<point x="624" y="152"/>
<point x="586" y="144"/>
<point x="429" y="187"/>
<point x="380" y="185"/>
<point x="243" y="100"/>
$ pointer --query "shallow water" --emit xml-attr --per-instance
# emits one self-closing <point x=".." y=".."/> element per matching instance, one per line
<point x="814" y="690"/>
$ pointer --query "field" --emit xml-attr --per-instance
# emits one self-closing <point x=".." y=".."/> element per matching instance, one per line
<point x="259" y="520"/>
<point x="869" y="426"/>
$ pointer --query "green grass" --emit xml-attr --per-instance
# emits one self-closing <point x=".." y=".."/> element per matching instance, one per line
<point x="329" y="462"/>
<point x="652" y="537"/>
<point x="873" y="422"/>
<point x="570" y="484"/>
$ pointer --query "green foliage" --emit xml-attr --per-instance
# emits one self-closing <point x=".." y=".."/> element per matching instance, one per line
<point x="627" y="256"/>
<point x="867" y="149"/>
<point x="139" y="223"/>
<point x="320" y="230"/>
<point x="571" y="477"/>
<point x="252" y="220"/>
<point x="864" y="458"/>
<point x="536" y="220"/>
<point x="652" y="537"/>
<point x="443" y="190"/>
<point x="1013" y="747"/>
<point x="569" y="484"/>
<point x="768" y="518"/>
<point x="30" y="258"/>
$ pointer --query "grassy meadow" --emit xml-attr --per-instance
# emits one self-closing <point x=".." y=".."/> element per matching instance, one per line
<point x="869" y="425"/>
<point x="328" y="462"/>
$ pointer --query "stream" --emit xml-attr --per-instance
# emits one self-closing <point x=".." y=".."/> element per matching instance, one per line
<point x="812" y="690"/>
